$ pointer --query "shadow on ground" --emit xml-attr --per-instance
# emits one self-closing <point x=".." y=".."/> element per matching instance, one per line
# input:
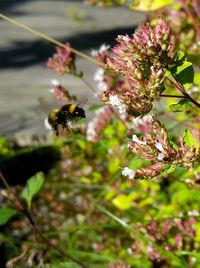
<point x="8" y="5"/>
<point x="23" y="54"/>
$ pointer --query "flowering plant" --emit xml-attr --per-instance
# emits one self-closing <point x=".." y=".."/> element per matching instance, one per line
<point x="126" y="190"/>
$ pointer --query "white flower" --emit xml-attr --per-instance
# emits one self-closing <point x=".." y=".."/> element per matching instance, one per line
<point x="114" y="101"/>
<point x="91" y="131"/>
<point x="160" y="156"/>
<point x="102" y="48"/>
<point x="149" y="43"/>
<point x="158" y="72"/>
<point x="125" y="38"/>
<point x="142" y="120"/>
<point x="99" y="75"/>
<point x="159" y="146"/>
<point x="102" y="86"/>
<point x="194" y="213"/>
<point x="127" y="172"/>
<point x="94" y="53"/>
<point x="55" y="82"/>
<point x="138" y="141"/>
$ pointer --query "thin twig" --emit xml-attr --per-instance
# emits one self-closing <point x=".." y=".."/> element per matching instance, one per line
<point x="20" y="206"/>
<point x="182" y="90"/>
<point x="172" y="96"/>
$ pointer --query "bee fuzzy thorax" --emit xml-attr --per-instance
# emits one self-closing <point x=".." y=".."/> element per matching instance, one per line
<point x="72" y="107"/>
<point x="60" y="121"/>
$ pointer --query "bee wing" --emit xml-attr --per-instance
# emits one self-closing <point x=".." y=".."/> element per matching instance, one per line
<point x="46" y="106"/>
<point x="82" y="102"/>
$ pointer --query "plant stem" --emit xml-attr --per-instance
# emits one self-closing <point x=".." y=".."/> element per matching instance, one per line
<point x="182" y="90"/>
<point x="20" y="206"/>
<point x="172" y="96"/>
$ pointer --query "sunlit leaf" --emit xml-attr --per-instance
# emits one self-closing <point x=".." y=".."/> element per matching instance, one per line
<point x="33" y="186"/>
<point x="183" y="72"/>
<point x="122" y="202"/>
<point x="113" y="165"/>
<point x="6" y="214"/>
<point x="197" y="79"/>
<point x="150" y="5"/>
<point x="190" y="140"/>
<point x="181" y="106"/>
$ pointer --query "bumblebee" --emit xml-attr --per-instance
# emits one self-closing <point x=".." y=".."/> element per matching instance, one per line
<point x="60" y="121"/>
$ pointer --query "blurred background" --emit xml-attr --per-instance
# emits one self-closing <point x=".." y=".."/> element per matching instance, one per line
<point x="24" y="76"/>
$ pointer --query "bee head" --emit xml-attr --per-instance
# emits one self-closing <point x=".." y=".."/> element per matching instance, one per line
<point x="79" y="112"/>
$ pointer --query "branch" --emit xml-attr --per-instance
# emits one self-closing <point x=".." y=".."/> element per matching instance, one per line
<point x="180" y="88"/>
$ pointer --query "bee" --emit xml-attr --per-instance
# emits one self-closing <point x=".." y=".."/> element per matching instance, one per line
<point x="62" y="120"/>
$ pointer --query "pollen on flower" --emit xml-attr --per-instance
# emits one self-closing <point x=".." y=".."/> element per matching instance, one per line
<point x="127" y="172"/>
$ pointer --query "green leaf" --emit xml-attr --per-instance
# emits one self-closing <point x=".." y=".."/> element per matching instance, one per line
<point x="183" y="72"/>
<point x="197" y="79"/>
<point x="136" y="163"/>
<point x="181" y="106"/>
<point x="190" y="140"/>
<point x="33" y="186"/>
<point x="122" y="202"/>
<point x="113" y="165"/>
<point x="6" y="214"/>
<point x="168" y="169"/>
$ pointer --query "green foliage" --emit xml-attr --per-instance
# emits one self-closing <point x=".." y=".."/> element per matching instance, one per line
<point x="5" y="147"/>
<point x="90" y="211"/>
<point x="33" y="186"/>
<point x="190" y="140"/>
<point x="182" y="71"/>
<point x="181" y="106"/>
<point x="6" y="214"/>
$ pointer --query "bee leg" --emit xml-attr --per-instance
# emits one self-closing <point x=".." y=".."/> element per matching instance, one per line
<point x="56" y="131"/>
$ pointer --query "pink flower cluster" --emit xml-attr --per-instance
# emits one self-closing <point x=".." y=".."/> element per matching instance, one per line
<point x="174" y="234"/>
<point x="156" y="147"/>
<point x="63" y="61"/>
<point x="141" y="60"/>
<point x="61" y="93"/>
